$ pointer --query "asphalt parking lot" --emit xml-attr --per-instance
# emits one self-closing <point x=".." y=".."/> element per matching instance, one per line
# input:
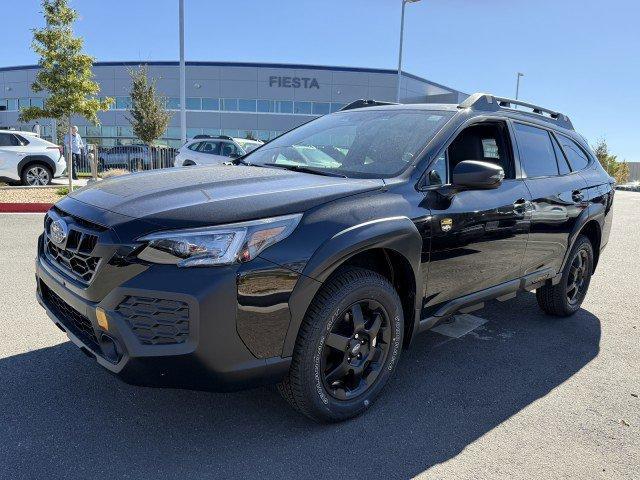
<point x="523" y="396"/>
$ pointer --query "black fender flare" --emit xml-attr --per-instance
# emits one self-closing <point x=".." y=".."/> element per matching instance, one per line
<point x="36" y="159"/>
<point x="394" y="233"/>
<point x="594" y="211"/>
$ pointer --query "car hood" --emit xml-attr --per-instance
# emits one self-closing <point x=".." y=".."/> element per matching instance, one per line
<point x="199" y="196"/>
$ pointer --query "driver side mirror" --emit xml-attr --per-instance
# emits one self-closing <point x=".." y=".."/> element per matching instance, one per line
<point x="476" y="174"/>
<point x="234" y="155"/>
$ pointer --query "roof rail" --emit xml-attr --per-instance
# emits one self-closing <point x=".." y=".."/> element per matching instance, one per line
<point x="491" y="103"/>
<point x="365" y="103"/>
<point x="204" y="135"/>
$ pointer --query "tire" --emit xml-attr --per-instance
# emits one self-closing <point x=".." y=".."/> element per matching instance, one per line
<point x="36" y="174"/>
<point x="565" y="298"/>
<point x="364" y="363"/>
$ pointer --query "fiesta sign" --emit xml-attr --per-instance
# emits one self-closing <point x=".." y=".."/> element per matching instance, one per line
<point x="293" y="82"/>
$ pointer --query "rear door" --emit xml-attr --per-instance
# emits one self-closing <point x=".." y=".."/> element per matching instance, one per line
<point x="11" y="152"/>
<point x="208" y="153"/>
<point x="557" y="197"/>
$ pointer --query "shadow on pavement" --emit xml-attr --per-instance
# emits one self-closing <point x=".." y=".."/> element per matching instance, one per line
<point x="63" y="416"/>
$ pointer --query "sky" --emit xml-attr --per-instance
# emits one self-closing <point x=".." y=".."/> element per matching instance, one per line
<point x="580" y="57"/>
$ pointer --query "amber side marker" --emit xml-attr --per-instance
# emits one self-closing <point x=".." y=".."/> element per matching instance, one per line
<point x="102" y="319"/>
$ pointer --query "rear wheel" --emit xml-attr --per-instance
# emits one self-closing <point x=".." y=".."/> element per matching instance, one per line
<point x="347" y="347"/>
<point x="36" y="174"/>
<point x="565" y="298"/>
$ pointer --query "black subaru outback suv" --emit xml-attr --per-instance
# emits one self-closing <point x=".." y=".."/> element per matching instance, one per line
<point x="315" y="259"/>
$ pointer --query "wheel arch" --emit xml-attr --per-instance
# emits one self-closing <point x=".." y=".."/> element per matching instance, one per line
<point x="31" y="159"/>
<point x="593" y="231"/>
<point x="391" y="247"/>
<point x="591" y="225"/>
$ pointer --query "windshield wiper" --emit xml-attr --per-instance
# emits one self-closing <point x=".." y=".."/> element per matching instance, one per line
<point x="303" y="169"/>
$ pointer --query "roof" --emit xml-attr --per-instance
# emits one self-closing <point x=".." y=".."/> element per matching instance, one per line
<point x="128" y="63"/>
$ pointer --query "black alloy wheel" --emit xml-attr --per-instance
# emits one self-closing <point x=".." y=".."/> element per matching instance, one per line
<point x="348" y="346"/>
<point x="355" y="350"/>
<point x="578" y="277"/>
<point x="566" y="297"/>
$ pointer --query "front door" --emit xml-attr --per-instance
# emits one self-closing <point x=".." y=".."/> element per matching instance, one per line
<point x="478" y="236"/>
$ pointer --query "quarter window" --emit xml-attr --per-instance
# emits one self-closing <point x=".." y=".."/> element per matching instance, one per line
<point x="438" y="172"/>
<point x="536" y="151"/>
<point x="576" y="156"/>
<point x="563" y="166"/>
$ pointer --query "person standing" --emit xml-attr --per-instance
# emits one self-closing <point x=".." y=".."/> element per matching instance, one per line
<point x="77" y="146"/>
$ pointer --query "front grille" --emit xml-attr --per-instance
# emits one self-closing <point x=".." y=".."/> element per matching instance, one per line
<point x="73" y="320"/>
<point x="156" y="321"/>
<point x="75" y="256"/>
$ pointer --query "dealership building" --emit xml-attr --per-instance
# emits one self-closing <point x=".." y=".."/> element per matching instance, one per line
<point x="260" y="100"/>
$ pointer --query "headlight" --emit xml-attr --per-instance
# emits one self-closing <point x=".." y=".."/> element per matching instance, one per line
<point x="223" y="245"/>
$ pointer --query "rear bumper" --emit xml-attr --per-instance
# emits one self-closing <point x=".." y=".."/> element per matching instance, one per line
<point x="210" y="356"/>
<point x="61" y="165"/>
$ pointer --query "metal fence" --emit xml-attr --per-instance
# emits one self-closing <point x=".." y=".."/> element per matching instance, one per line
<point x="133" y="158"/>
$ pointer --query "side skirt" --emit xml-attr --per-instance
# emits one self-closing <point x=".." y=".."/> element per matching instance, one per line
<point x="475" y="301"/>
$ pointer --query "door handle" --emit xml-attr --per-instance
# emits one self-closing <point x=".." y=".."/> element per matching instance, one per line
<point x="520" y="205"/>
<point x="577" y="196"/>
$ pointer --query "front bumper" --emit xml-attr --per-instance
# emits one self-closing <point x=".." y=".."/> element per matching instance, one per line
<point x="208" y="355"/>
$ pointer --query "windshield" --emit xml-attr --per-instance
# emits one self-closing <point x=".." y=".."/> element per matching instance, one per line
<point x="361" y="144"/>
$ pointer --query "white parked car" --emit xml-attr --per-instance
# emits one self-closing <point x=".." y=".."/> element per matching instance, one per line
<point x="28" y="158"/>
<point x="203" y="150"/>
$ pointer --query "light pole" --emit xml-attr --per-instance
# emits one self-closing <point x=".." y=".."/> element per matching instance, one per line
<point x="183" y="94"/>
<point x="404" y="3"/>
<point x="518" y="83"/>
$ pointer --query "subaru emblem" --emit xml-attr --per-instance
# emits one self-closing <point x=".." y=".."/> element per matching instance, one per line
<point x="58" y="232"/>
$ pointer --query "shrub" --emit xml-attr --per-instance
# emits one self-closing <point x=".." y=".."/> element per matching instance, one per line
<point x="114" y="172"/>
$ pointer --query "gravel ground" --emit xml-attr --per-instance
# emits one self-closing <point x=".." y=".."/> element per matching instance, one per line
<point x="29" y="195"/>
<point x="524" y="396"/>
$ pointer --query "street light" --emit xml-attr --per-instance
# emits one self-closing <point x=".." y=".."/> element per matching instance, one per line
<point x="183" y="94"/>
<point x="404" y="3"/>
<point x="518" y="83"/>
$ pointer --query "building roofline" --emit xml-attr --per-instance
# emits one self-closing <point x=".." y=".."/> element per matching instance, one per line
<point x="245" y="64"/>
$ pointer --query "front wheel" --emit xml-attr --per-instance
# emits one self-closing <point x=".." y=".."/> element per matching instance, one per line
<point x="565" y="298"/>
<point x="347" y="348"/>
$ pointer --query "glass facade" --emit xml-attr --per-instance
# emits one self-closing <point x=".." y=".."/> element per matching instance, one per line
<point x="123" y="134"/>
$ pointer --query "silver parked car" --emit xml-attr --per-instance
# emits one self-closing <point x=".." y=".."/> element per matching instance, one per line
<point x="204" y="150"/>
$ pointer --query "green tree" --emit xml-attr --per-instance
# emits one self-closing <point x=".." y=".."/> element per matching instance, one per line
<point x="610" y="163"/>
<point x="147" y="114"/>
<point x="65" y="73"/>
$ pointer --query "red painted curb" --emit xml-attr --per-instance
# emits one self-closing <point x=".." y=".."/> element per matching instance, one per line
<point x="24" y="207"/>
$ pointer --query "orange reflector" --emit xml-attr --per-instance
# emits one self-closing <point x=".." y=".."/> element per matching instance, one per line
<point x="102" y="319"/>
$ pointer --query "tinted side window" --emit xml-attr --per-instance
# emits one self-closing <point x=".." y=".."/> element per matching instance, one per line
<point x="536" y="151"/>
<point x="576" y="156"/>
<point x="212" y="148"/>
<point x="229" y="149"/>
<point x="563" y="166"/>
<point x="5" y="140"/>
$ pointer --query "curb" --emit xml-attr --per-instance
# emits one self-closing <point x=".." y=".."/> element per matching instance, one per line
<point x="25" y="207"/>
